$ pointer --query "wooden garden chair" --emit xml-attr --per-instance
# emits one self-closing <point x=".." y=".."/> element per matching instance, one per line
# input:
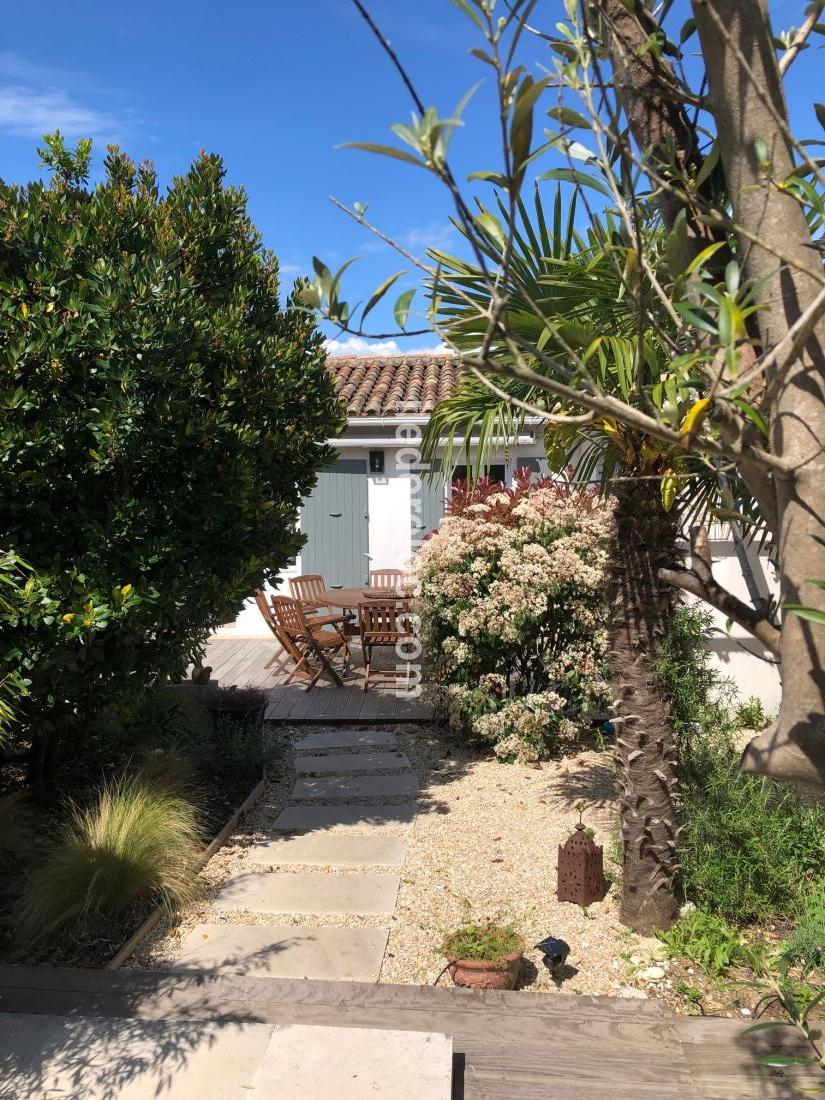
<point x="287" y="651"/>
<point x="309" y="642"/>
<point x="383" y="624"/>
<point x="387" y="578"/>
<point x="310" y="590"/>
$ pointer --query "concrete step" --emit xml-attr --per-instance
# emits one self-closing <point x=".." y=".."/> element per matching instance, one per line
<point x="309" y="893"/>
<point x="330" y="849"/>
<point x="139" y="1059"/>
<point x="354" y="819"/>
<point x="344" y="738"/>
<point x="306" y="1060"/>
<point x="342" y="762"/>
<point x="360" y="786"/>
<point x="285" y="951"/>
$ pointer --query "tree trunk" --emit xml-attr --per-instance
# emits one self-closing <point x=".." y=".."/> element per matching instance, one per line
<point x="640" y="609"/>
<point x="748" y="104"/>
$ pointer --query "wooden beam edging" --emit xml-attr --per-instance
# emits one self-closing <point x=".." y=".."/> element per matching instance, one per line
<point x="128" y="949"/>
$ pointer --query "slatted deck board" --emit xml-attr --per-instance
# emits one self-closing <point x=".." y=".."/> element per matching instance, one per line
<point x="244" y="661"/>
<point x="507" y="1046"/>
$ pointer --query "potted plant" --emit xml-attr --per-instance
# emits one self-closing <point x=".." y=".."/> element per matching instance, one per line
<point x="484" y="956"/>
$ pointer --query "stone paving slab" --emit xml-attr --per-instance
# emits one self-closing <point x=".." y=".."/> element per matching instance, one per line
<point x="266" y="892"/>
<point x="92" y="1058"/>
<point x="356" y="819"/>
<point x="335" y="849"/>
<point x="305" y="1060"/>
<point x="351" y="762"/>
<point x="362" y="786"/>
<point x="344" y="738"/>
<point x="288" y="951"/>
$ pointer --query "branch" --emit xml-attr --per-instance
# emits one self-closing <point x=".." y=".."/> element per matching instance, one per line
<point x="699" y="581"/>
<point x="802" y="35"/>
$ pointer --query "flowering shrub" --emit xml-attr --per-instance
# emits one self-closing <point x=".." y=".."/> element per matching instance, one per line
<point x="511" y="596"/>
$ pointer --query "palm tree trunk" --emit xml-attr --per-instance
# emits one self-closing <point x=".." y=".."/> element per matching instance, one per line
<point x="640" y="609"/>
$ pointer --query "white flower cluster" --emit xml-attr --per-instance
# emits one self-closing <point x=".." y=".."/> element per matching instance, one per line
<point x="511" y="593"/>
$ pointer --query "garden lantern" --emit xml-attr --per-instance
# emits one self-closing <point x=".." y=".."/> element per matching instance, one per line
<point x="580" y="870"/>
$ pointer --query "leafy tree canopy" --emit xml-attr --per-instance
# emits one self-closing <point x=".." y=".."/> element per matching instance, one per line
<point x="163" y="416"/>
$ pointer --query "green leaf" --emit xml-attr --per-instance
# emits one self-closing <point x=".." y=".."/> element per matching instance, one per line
<point x="490" y="223"/>
<point x="809" y="613"/>
<point x="482" y="55"/>
<point x="568" y="117"/>
<point x="467" y="8"/>
<point x="379" y="293"/>
<point x="753" y="414"/>
<point x="581" y="179"/>
<point x="402" y="308"/>
<point x="786" y="1060"/>
<point x="688" y="29"/>
<point x="383" y="150"/>
<point x="765" y="1024"/>
<point x="489" y="177"/>
<point x="818" y="584"/>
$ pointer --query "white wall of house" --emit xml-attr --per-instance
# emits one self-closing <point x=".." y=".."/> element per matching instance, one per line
<point x="735" y="653"/>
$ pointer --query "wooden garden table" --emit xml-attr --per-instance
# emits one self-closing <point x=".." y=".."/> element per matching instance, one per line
<point x="349" y="598"/>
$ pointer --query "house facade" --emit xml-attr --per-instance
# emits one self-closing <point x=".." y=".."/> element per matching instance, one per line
<point x="372" y="507"/>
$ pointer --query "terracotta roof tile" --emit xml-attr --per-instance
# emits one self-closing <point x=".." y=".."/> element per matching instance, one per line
<point x="393" y="385"/>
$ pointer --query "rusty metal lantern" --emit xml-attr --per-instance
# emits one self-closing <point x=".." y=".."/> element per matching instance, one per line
<point x="580" y="870"/>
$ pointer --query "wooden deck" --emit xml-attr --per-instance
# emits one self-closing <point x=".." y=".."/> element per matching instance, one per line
<point x="507" y="1046"/>
<point x="244" y="661"/>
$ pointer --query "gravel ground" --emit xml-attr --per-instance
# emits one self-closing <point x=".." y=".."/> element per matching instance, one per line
<point x="484" y="845"/>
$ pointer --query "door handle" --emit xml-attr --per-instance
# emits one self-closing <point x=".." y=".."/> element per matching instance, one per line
<point x="336" y="515"/>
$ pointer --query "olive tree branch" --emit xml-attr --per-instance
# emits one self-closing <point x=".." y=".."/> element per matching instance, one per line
<point x="800" y="39"/>
<point x="699" y="581"/>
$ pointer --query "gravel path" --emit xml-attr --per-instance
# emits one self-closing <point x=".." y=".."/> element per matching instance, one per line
<point x="484" y="845"/>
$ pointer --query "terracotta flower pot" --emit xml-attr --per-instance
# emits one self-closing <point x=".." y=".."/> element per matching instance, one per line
<point x="484" y="974"/>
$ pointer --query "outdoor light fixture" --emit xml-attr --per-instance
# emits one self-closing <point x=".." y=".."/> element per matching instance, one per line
<point x="581" y="869"/>
<point x="376" y="462"/>
<point x="554" y="952"/>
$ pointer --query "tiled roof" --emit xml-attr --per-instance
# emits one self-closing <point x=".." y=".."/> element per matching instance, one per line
<point x="393" y="385"/>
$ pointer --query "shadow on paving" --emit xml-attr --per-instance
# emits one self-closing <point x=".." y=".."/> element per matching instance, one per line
<point x="108" y="1041"/>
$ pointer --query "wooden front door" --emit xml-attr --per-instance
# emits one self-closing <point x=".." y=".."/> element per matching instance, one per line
<point x="336" y="522"/>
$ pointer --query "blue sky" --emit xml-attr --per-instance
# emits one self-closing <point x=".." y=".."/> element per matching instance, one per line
<point x="273" y="87"/>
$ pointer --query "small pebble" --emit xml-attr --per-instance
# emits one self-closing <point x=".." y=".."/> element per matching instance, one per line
<point x="651" y="974"/>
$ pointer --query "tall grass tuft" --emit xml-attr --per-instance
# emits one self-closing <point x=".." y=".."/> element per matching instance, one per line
<point x="136" y="844"/>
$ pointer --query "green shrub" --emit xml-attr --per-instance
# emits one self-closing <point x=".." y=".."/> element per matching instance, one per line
<point x="705" y="939"/>
<point x="135" y="844"/>
<point x="238" y="745"/>
<point x="749" y="846"/>
<point x="165" y="410"/>
<point x="700" y="697"/>
<point x="751" y="715"/>
<point x="806" y="947"/>
<point x="486" y="942"/>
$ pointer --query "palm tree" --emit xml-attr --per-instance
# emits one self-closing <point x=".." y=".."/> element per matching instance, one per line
<point x="569" y="295"/>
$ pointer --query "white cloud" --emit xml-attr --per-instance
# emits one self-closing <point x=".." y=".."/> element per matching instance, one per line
<point x="434" y="235"/>
<point x="357" y="345"/>
<point x="31" y="113"/>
